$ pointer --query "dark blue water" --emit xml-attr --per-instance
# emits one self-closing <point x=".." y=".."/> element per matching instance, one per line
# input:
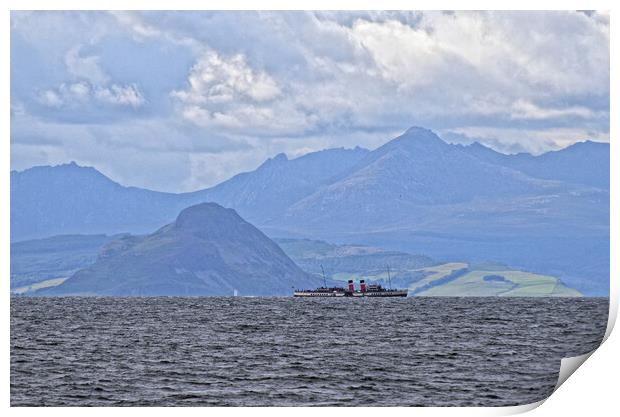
<point x="294" y="352"/>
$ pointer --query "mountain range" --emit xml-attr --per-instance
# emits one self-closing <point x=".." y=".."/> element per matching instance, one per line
<point x="71" y="199"/>
<point x="416" y="194"/>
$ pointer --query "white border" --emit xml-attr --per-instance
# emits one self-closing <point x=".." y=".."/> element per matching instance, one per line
<point x="593" y="390"/>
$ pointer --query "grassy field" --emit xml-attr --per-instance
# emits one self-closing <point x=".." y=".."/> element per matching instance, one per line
<point x="41" y="260"/>
<point x="39" y="285"/>
<point x="435" y="273"/>
<point x="502" y="284"/>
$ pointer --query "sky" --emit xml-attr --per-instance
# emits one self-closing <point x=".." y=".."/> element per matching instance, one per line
<point x="180" y="101"/>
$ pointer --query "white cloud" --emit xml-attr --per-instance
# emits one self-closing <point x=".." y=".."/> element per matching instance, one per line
<point x="135" y="24"/>
<point x="141" y="30"/>
<point x="92" y="85"/>
<point x="80" y="90"/>
<point x="217" y="79"/>
<point x="85" y="67"/>
<point x="402" y="54"/>
<point x="81" y="93"/>
<point x="50" y="98"/>
<point x="225" y="92"/>
<point x="128" y="95"/>
<point x="516" y="54"/>
<point x="523" y="109"/>
<point x="65" y="95"/>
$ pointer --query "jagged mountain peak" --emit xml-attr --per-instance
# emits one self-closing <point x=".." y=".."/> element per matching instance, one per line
<point x="415" y="139"/>
<point x="68" y="167"/>
<point x="418" y="131"/>
<point x="65" y="175"/>
<point x="276" y="161"/>
<point x="281" y="157"/>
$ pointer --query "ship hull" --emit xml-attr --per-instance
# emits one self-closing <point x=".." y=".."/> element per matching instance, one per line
<point x="324" y="294"/>
<point x="395" y="293"/>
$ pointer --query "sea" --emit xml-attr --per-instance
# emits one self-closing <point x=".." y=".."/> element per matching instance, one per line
<point x="238" y="351"/>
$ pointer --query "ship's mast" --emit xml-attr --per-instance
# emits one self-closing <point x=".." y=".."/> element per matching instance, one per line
<point x="324" y="280"/>
<point x="389" y="277"/>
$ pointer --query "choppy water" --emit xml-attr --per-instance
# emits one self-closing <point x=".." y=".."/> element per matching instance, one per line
<point x="285" y="351"/>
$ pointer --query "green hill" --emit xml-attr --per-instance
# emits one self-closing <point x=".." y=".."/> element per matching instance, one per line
<point x="207" y="251"/>
<point x="479" y="283"/>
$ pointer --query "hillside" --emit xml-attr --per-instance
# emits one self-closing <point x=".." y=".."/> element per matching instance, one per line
<point x="207" y="250"/>
<point x="343" y="262"/>
<point x="57" y="257"/>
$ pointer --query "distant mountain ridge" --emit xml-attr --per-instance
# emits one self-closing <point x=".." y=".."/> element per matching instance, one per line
<point x="265" y="193"/>
<point x="416" y="194"/>
<point x="585" y="163"/>
<point x="415" y="170"/>
<point x="68" y="198"/>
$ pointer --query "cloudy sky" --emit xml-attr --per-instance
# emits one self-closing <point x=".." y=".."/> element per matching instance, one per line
<point x="178" y="101"/>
